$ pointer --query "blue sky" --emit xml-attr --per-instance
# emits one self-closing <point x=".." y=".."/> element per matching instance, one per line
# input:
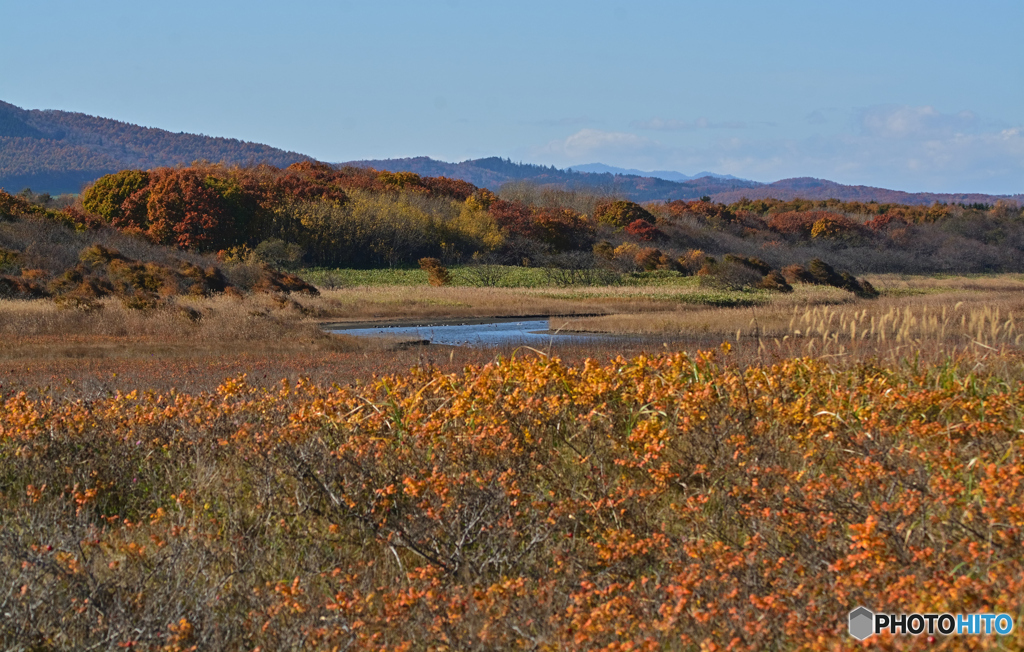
<point x="918" y="96"/>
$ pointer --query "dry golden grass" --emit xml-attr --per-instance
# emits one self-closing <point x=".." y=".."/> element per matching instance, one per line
<point x="687" y="320"/>
<point x="946" y="315"/>
<point x="411" y="302"/>
<point x="196" y="342"/>
<point x="282" y="322"/>
<point x="901" y="283"/>
<point x="34" y="328"/>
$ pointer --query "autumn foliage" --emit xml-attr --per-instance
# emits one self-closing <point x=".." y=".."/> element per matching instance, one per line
<point x="669" y="502"/>
<point x="361" y="217"/>
<point x="437" y="273"/>
<point x="209" y="207"/>
<point x="644" y="230"/>
<point x="621" y="213"/>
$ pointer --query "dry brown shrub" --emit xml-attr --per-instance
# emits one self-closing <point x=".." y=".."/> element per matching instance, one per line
<point x="437" y="274"/>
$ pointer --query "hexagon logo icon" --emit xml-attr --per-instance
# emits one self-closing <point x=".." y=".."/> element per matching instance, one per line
<point x="862" y="623"/>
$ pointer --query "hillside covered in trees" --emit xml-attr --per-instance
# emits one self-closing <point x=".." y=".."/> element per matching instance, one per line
<point x="361" y="217"/>
<point x="59" y="152"/>
<point x="261" y="219"/>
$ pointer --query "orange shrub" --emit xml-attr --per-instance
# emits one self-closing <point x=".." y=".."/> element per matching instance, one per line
<point x="644" y="231"/>
<point x="667" y="502"/>
<point x="802" y="223"/>
<point x="437" y="274"/>
<point x="884" y="221"/>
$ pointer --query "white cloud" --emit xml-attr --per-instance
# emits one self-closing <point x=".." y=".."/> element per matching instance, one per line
<point x="919" y="159"/>
<point x="591" y="145"/>
<point x="890" y="121"/>
<point x="913" y="148"/>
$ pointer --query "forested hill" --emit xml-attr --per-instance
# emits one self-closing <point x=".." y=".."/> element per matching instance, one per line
<point x="59" y="151"/>
<point x="810" y="188"/>
<point x="493" y="172"/>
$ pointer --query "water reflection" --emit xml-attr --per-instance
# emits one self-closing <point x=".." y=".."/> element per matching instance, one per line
<point x="532" y="332"/>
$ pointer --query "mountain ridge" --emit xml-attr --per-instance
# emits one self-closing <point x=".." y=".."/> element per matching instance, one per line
<point x="493" y="172"/>
<point x="60" y="151"/>
<point x="667" y="175"/>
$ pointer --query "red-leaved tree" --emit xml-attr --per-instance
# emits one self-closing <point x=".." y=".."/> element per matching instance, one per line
<point x="183" y="211"/>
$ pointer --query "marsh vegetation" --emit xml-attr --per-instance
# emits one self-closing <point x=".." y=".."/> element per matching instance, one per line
<point x="189" y="461"/>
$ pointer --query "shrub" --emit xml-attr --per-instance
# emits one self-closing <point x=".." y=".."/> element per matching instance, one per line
<point x="485" y="270"/>
<point x="12" y="206"/>
<point x="562" y="229"/>
<point x="185" y="212"/>
<point x="278" y="253"/>
<point x="620" y="213"/>
<point x="584" y="506"/>
<point x="755" y="264"/>
<point x="802" y="224"/>
<point x="437" y="274"/>
<point x="625" y="255"/>
<point x="576" y="268"/>
<point x="828" y="229"/>
<point x="884" y="221"/>
<point x="456" y="189"/>
<point x="9" y="261"/>
<point x="649" y="258"/>
<point x="716" y="214"/>
<point x="14" y="287"/>
<point x="691" y="261"/>
<point x="604" y="250"/>
<point x="400" y="180"/>
<point x="796" y="273"/>
<point x="272" y="280"/>
<point x="119" y="198"/>
<point x="644" y="231"/>
<point x="821" y="273"/>
<point x="514" y="217"/>
<point x="728" y="275"/>
<point x="774" y="280"/>
<point x="481" y="199"/>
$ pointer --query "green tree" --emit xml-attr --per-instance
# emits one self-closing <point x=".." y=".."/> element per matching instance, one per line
<point x="621" y="213"/>
<point x="119" y="198"/>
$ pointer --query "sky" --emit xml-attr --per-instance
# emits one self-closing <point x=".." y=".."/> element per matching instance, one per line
<point x="902" y="94"/>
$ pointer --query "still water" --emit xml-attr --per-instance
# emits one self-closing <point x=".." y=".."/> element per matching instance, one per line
<point x="531" y="332"/>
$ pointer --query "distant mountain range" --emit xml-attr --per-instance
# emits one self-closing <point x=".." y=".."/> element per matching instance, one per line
<point x="668" y="175"/>
<point x="59" y="151"/>
<point x="493" y="172"/>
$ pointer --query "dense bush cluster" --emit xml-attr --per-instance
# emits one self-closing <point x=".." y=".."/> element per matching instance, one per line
<point x="410" y="217"/>
<point x="41" y="255"/>
<point x="312" y="214"/>
<point x="352" y="217"/>
<point x="818" y="272"/>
